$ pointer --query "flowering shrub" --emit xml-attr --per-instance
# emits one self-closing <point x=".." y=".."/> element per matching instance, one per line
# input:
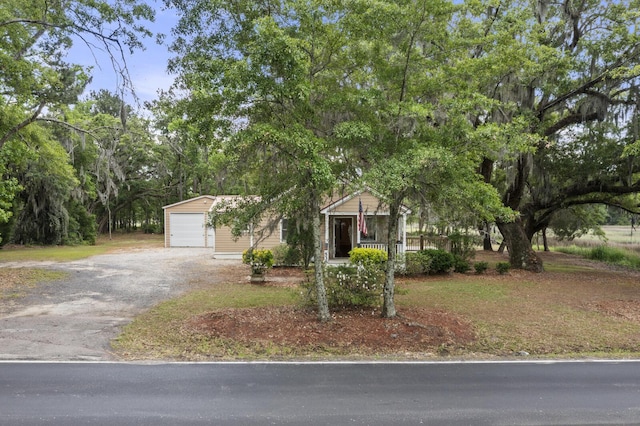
<point x="260" y="260"/>
<point x="350" y="286"/>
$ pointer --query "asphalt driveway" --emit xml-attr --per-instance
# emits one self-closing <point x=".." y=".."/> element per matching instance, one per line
<point x="75" y="318"/>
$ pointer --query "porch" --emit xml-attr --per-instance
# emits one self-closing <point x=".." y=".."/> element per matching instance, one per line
<point x="358" y="219"/>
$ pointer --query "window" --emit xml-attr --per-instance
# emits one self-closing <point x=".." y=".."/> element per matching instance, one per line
<point x="284" y="225"/>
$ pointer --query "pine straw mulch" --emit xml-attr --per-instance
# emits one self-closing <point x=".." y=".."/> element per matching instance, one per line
<point x="416" y="330"/>
<point x="353" y="332"/>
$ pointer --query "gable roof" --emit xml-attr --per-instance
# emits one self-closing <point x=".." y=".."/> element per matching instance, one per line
<point x="346" y="198"/>
<point x="190" y="200"/>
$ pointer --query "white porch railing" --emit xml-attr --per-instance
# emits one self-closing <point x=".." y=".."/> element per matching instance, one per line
<point x="382" y="246"/>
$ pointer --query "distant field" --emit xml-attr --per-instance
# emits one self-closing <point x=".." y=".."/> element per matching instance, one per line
<point x="616" y="236"/>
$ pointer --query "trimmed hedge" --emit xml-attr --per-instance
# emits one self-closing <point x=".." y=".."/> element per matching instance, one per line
<point x="367" y="256"/>
<point x="441" y="261"/>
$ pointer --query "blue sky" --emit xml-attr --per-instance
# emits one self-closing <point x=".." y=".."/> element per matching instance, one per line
<point x="147" y="68"/>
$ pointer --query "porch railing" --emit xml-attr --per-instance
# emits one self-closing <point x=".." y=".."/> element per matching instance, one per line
<point x="381" y="246"/>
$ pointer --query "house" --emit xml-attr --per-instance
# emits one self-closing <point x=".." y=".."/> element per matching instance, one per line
<point x="357" y="219"/>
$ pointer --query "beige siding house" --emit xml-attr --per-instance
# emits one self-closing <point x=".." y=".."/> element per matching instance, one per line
<point x="187" y="224"/>
<point x="351" y="220"/>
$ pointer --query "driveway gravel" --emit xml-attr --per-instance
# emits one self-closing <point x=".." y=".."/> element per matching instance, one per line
<point x="76" y="318"/>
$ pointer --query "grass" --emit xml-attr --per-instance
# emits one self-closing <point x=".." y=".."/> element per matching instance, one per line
<point x="571" y="310"/>
<point x="560" y="313"/>
<point x="603" y="253"/>
<point x="70" y="253"/>
<point x="159" y="333"/>
<point x="540" y="317"/>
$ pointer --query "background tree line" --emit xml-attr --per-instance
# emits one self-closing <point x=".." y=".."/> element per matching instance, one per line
<point x="515" y="112"/>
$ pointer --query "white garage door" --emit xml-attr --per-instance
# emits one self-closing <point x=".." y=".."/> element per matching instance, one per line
<point x="187" y="230"/>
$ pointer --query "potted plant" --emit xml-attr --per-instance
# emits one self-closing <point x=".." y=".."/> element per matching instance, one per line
<point x="260" y="260"/>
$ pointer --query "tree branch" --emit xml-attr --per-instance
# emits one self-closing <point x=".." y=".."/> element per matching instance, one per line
<point x="568" y="120"/>
<point x="23" y="124"/>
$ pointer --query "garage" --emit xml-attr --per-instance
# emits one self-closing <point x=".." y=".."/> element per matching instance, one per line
<point x="185" y="223"/>
<point x="187" y="229"/>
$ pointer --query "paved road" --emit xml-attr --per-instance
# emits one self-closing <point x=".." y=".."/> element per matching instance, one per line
<point x="75" y="318"/>
<point x="320" y="394"/>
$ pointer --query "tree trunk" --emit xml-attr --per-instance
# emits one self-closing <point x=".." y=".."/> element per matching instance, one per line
<point x="521" y="255"/>
<point x="545" y="242"/>
<point x="388" y="306"/>
<point x="321" y="292"/>
<point x="486" y="241"/>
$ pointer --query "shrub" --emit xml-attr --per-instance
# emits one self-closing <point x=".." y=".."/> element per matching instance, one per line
<point x="480" y="267"/>
<point x="285" y="255"/>
<point x="503" y="267"/>
<point x="607" y="254"/>
<point x="259" y="259"/>
<point x="463" y="245"/>
<point x="417" y="263"/>
<point x="367" y="256"/>
<point x="151" y="228"/>
<point x="460" y="264"/>
<point x="350" y="286"/>
<point x="441" y="261"/>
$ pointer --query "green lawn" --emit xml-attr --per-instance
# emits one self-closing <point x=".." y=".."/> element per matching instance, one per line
<point x="69" y="253"/>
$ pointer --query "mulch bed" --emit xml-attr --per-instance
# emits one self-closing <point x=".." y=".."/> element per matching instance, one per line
<point x="354" y="331"/>
<point x="417" y="330"/>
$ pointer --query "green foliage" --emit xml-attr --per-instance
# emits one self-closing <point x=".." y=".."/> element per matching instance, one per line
<point x="259" y="259"/>
<point x="617" y="256"/>
<point x="82" y="228"/>
<point x="300" y="239"/>
<point x="463" y="245"/>
<point x="285" y="255"/>
<point x="480" y="267"/>
<point x="607" y="254"/>
<point x="417" y="263"/>
<point x="10" y="161"/>
<point x="503" y="267"/>
<point x="604" y="253"/>
<point x="441" y="261"/>
<point x="152" y="228"/>
<point x="461" y="265"/>
<point x="367" y="256"/>
<point x="43" y="205"/>
<point x="39" y="110"/>
<point x="576" y="221"/>
<point x="350" y="286"/>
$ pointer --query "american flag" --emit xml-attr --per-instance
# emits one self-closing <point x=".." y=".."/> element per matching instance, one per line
<point x="362" y="223"/>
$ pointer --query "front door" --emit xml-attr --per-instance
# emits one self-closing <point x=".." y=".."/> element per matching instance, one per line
<point x="342" y="232"/>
